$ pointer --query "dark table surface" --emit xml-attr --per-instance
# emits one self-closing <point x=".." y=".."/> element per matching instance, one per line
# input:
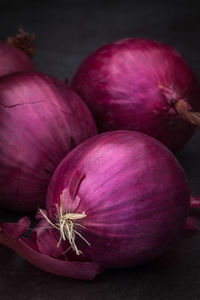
<point x="67" y="31"/>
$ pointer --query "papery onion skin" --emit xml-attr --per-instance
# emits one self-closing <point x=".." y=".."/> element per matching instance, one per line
<point x="134" y="84"/>
<point x="134" y="194"/>
<point x="33" y="251"/>
<point x="41" y="120"/>
<point x="14" y="60"/>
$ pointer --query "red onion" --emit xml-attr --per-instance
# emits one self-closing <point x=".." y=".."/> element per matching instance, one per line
<point x="142" y="85"/>
<point x="117" y="200"/>
<point x="12" y="59"/>
<point x="41" y="120"/>
<point x="120" y="199"/>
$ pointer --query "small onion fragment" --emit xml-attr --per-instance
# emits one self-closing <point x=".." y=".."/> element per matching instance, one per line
<point x="15" y="54"/>
<point x="41" y="120"/>
<point x="119" y="199"/>
<point x="143" y="85"/>
<point x="32" y="251"/>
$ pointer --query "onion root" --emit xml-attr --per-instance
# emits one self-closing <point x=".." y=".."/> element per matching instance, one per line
<point x="67" y="227"/>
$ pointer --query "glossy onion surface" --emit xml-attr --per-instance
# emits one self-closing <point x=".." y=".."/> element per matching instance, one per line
<point x="134" y="84"/>
<point x="132" y="195"/>
<point x="41" y="120"/>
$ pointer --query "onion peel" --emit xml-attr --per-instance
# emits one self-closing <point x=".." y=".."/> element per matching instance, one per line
<point x="10" y="236"/>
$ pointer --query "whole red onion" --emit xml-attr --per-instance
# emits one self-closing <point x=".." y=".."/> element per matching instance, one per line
<point x="142" y="85"/>
<point x="41" y="120"/>
<point x="118" y="199"/>
<point x="14" y="54"/>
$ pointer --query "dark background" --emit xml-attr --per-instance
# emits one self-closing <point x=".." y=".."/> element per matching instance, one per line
<point x="66" y="32"/>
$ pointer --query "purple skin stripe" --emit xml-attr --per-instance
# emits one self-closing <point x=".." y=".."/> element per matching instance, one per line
<point x="120" y="84"/>
<point x="75" y="180"/>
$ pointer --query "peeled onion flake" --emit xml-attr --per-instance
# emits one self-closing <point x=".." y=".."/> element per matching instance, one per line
<point x="38" y="255"/>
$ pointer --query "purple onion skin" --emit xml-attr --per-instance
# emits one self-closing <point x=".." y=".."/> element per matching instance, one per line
<point x="134" y="193"/>
<point x="119" y="82"/>
<point x="41" y="249"/>
<point x="41" y="120"/>
<point x="13" y="60"/>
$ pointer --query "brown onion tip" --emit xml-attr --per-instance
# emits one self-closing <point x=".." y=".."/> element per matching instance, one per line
<point x="23" y="41"/>
<point x="181" y="106"/>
